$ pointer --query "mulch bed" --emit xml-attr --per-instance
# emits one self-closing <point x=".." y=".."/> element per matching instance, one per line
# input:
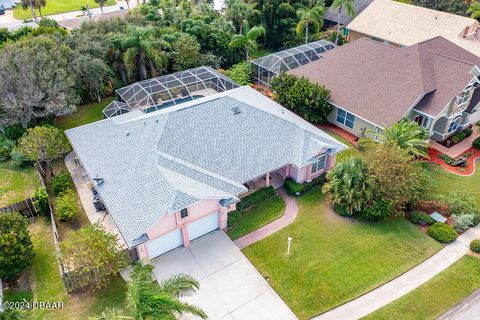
<point x="471" y="154"/>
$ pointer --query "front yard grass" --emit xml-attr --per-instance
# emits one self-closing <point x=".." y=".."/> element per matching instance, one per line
<point x="47" y="284"/>
<point x="443" y="182"/>
<point x="55" y="7"/>
<point x="437" y="295"/>
<point x="85" y="114"/>
<point x="352" y="151"/>
<point x="258" y="216"/>
<point x="335" y="259"/>
<point x="16" y="184"/>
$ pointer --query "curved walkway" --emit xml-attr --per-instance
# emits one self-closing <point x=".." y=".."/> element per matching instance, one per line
<point x="291" y="210"/>
<point x="410" y="280"/>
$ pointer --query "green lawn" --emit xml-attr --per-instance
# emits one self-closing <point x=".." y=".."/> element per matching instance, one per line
<point x="55" y="7"/>
<point x="85" y="114"/>
<point x="437" y="295"/>
<point x="443" y="182"/>
<point x="262" y="214"/>
<point x="16" y="184"/>
<point x="47" y="284"/>
<point x="335" y="259"/>
<point x="352" y="151"/>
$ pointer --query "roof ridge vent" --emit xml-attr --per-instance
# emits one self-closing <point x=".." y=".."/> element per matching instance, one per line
<point x="236" y="110"/>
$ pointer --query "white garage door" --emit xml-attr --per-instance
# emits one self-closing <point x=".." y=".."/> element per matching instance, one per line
<point x="204" y="225"/>
<point x="165" y="243"/>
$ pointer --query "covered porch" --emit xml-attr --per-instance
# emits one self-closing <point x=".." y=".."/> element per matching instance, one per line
<point x="274" y="178"/>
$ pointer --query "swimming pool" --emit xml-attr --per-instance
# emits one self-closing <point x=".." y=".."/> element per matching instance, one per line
<point x="173" y="102"/>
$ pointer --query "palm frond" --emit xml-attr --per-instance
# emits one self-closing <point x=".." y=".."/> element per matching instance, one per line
<point x="180" y="285"/>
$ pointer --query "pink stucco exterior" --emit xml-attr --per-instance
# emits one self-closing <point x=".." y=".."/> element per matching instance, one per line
<point x="171" y="222"/>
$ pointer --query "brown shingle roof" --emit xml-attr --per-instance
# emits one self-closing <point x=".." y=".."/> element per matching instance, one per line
<point x="381" y="83"/>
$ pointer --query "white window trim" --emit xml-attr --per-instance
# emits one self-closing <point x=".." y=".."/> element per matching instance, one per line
<point x="344" y="123"/>
<point x="315" y="166"/>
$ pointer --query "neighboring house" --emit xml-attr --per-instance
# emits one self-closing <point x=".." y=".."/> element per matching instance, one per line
<point x="331" y="16"/>
<point x="401" y="24"/>
<point x="76" y="23"/>
<point x="170" y="176"/>
<point x="373" y="85"/>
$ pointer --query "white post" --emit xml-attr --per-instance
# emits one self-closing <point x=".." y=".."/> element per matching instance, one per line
<point x="1" y="296"/>
<point x="288" y="249"/>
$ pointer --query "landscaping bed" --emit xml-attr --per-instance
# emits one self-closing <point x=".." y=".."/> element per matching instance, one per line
<point x="437" y="295"/>
<point x="444" y="161"/>
<point x="335" y="259"/>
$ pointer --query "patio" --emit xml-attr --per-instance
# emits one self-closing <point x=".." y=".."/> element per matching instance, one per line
<point x="460" y="148"/>
<point x="274" y="179"/>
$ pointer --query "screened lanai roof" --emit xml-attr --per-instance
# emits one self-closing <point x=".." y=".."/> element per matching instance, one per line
<point x="292" y="58"/>
<point x="164" y="91"/>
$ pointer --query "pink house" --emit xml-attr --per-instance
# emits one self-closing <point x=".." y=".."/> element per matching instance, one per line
<point x="171" y="176"/>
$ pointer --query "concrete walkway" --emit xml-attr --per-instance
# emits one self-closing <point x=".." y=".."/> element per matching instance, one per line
<point x="405" y="283"/>
<point x="468" y="309"/>
<point x="291" y="210"/>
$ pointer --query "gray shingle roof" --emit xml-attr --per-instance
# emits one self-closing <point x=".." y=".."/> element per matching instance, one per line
<point x="158" y="163"/>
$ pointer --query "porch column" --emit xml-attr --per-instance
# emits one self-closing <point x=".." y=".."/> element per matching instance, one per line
<point x="287" y="171"/>
<point x="267" y="180"/>
<point x="186" y="240"/>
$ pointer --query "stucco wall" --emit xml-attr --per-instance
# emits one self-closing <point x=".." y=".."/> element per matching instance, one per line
<point x="354" y="35"/>
<point x="357" y="127"/>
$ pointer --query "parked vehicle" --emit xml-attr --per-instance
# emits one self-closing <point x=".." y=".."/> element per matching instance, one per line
<point x="2" y="9"/>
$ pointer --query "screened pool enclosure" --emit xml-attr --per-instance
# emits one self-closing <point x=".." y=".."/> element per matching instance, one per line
<point x="265" y="68"/>
<point x="168" y="90"/>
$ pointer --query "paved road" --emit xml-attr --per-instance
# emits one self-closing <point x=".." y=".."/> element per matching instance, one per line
<point x="405" y="283"/>
<point x="468" y="309"/>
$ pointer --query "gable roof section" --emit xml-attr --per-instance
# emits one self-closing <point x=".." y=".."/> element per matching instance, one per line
<point x="381" y="83"/>
<point x="407" y="25"/>
<point x="158" y="163"/>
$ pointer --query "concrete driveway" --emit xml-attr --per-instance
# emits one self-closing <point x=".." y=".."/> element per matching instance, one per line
<point x="230" y="286"/>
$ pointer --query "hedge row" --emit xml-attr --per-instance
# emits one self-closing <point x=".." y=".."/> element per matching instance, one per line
<point x="256" y="197"/>
<point x="296" y="189"/>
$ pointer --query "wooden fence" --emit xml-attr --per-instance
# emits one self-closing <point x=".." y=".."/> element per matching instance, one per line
<point x="25" y="208"/>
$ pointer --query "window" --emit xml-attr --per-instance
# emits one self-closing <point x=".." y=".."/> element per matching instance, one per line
<point x="454" y="124"/>
<point x="319" y="163"/>
<point x="183" y="213"/>
<point x="345" y="118"/>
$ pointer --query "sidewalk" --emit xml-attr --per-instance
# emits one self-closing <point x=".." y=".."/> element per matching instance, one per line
<point x="291" y="210"/>
<point x="405" y="283"/>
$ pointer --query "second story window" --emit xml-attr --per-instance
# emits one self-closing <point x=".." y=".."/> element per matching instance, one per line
<point x="183" y="213"/>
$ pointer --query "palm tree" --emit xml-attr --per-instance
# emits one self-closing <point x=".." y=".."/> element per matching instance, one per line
<point x="474" y="10"/>
<point x="141" y="53"/>
<point x="248" y="41"/>
<point x="309" y="17"/>
<point x="148" y="299"/>
<point x="349" y="186"/>
<point x="30" y="4"/>
<point x="38" y="4"/>
<point x="408" y="135"/>
<point x="340" y="4"/>
<point x="101" y="3"/>
<point x="238" y="11"/>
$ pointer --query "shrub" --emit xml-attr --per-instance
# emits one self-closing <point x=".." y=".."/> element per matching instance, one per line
<point x="468" y="132"/>
<point x="421" y="218"/>
<point x="476" y="143"/>
<point x="14" y="131"/>
<point x="61" y="182"/>
<point x="66" y="205"/>
<point x="40" y="200"/>
<point x="475" y="245"/>
<point x="16" y="250"/>
<point x="459" y="136"/>
<point x="376" y="212"/>
<point x="463" y="222"/>
<point x="342" y="211"/>
<point x="234" y="218"/>
<point x="295" y="189"/>
<point x="256" y="197"/>
<point x="240" y="73"/>
<point x="364" y="144"/>
<point x="6" y="147"/>
<point x="460" y="204"/>
<point x="18" y="159"/>
<point x="442" y="232"/>
<point x="447" y="159"/>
